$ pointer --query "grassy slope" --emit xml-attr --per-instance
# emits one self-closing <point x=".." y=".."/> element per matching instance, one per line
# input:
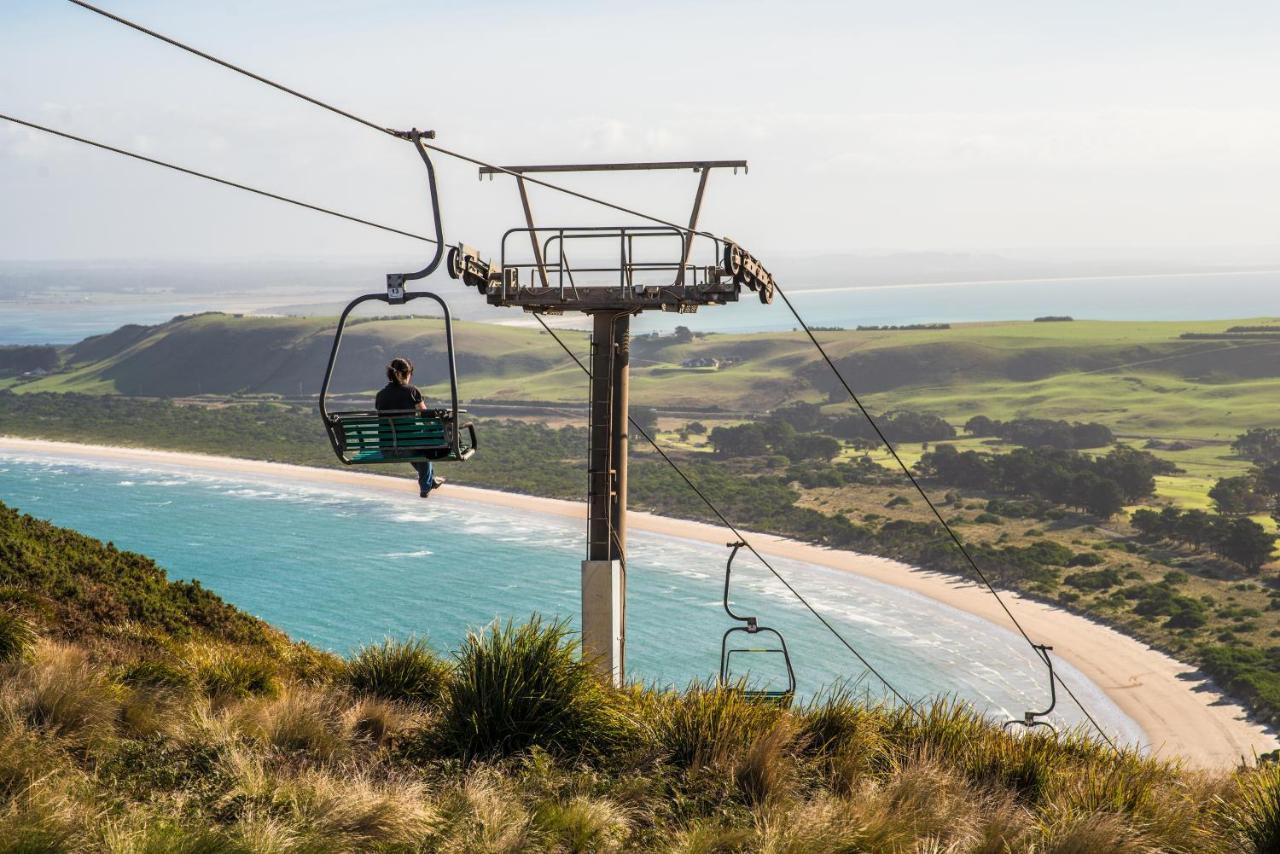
<point x="140" y="736"/>
<point x="1138" y="378"/>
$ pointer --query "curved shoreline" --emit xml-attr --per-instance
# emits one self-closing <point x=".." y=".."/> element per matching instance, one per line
<point x="1182" y="714"/>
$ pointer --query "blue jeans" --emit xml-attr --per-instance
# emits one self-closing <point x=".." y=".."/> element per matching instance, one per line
<point x="426" y="474"/>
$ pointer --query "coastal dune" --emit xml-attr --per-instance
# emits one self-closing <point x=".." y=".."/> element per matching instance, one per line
<point x="1182" y="714"/>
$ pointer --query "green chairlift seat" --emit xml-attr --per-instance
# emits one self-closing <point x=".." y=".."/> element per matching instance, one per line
<point x="365" y="437"/>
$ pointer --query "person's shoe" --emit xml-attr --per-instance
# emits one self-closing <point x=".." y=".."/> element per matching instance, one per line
<point x="438" y="482"/>
<point x="424" y="493"/>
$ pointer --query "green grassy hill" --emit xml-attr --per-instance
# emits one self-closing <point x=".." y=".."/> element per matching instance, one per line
<point x="224" y="355"/>
<point x="1138" y="378"/>
<point x="170" y="722"/>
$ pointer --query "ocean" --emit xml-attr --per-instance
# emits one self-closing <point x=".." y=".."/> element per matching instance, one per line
<point x="342" y="567"/>
<point x="1199" y="296"/>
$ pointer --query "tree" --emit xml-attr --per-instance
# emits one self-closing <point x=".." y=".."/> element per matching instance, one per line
<point x="809" y="446"/>
<point x="1195" y="527"/>
<point x="744" y="440"/>
<point x="980" y="425"/>
<point x="1132" y="470"/>
<point x="1098" y="496"/>
<point x="1261" y="444"/>
<point x="804" y="417"/>
<point x="683" y="335"/>
<point x="1146" y="522"/>
<point x="1245" y="542"/>
<point x="905" y="426"/>
<point x="697" y="428"/>
<point x="1235" y="496"/>
<point x="646" y="417"/>
<point x="1091" y="435"/>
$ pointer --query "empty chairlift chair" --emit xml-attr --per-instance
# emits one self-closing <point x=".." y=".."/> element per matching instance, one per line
<point x="753" y="630"/>
<point x="1030" y="719"/>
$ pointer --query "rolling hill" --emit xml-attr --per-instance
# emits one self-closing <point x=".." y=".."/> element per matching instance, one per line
<point x="1142" y="378"/>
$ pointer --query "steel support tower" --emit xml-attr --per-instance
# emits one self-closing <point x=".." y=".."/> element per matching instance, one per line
<point x="610" y="273"/>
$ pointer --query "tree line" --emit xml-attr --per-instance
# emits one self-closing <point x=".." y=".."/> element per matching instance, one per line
<point x="1237" y="539"/>
<point x="1035" y="432"/>
<point x="1100" y="486"/>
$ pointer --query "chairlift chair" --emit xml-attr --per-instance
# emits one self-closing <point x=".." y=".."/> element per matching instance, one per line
<point x="1029" y="719"/>
<point x="752" y="628"/>
<point x="361" y="437"/>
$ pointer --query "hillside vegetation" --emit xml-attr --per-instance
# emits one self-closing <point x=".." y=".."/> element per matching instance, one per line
<point x="1135" y="377"/>
<point x="156" y="727"/>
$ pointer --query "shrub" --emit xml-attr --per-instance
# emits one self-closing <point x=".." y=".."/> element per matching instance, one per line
<point x="1048" y="553"/>
<point x="518" y="687"/>
<point x="1097" y="579"/>
<point x="17" y="636"/>
<point x="399" y="670"/>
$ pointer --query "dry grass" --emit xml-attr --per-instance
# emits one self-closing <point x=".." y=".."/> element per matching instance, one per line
<point x="104" y="753"/>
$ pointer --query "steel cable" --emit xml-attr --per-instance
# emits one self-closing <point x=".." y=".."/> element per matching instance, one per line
<point x="374" y="125"/>
<point x="683" y="229"/>
<point x="153" y="161"/>
<point x="724" y="521"/>
<point x="955" y="538"/>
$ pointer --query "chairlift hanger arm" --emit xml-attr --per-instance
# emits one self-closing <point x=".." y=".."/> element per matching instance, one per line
<point x="395" y="281"/>
<point x="728" y="570"/>
<point x="1030" y="718"/>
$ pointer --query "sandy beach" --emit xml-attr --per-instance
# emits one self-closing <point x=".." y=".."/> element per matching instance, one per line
<point x="1181" y="713"/>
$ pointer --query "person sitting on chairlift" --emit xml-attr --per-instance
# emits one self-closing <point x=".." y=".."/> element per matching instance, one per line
<point x="400" y="395"/>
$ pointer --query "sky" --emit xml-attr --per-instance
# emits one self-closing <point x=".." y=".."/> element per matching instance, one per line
<point x="1125" y="127"/>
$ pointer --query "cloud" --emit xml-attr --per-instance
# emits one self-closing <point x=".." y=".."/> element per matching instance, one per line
<point x="1129" y="140"/>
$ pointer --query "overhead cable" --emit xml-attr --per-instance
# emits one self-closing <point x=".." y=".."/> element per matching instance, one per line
<point x="374" y="125"/>
<point x="683" y="229"/>
<point x="155" y="162"/>
<point x="955" y="538"/>
<point x="737" y="533"/>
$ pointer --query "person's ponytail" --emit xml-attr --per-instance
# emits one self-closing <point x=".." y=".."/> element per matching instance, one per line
<point x="399" y="370"/>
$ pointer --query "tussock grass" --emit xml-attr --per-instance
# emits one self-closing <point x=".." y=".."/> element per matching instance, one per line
<point x="399" y="670"/>
<point x="382" y="723"/>
<point x="1253" y="814"/>
<point x="17" y="636"/>
<point x="64" y="695"/>
<point x="518" y="687"/>
<point x="582" y="824"/>
<point x="103" y="751"/>
<point x="228" y="672"/>
<point x="301" y="720"/>
<point x="712" y="725"/>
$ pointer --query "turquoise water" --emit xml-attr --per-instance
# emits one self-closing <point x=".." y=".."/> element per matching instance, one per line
<point x="340" y="567"/>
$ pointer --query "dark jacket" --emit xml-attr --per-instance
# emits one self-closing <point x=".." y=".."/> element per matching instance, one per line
<point x="395" y="396"/>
